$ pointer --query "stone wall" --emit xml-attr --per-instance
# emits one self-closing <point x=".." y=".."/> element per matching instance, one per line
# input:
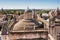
<point x="56" y="31"/>
<point x="4" y="37"/>
<point x="28" y="36"/>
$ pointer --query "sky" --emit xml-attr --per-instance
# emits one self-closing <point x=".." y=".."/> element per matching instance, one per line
<point x="32" y="4"/>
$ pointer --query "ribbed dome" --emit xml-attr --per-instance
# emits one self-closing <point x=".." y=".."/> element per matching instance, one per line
<point x="24" y="25"/>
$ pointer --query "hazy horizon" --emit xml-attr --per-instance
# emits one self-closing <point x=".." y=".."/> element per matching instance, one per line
<point x="32" y="4"/>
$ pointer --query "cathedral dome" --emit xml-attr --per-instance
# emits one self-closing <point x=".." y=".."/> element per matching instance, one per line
<point x="25" y="25"/>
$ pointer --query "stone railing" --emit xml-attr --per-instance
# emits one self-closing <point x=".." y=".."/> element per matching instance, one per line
<point x="46" y="23"/>
<point x="50" y="37"/>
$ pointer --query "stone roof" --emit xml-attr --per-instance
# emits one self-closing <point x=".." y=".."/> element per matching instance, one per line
<point x="33" y="31"/>
<point x="25" y="25"/>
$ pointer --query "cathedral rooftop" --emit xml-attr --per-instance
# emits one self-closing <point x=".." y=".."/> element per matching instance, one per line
<point x="29" y="31"/>
<point x="27" y="24"/>
<point x="28" y="10"/>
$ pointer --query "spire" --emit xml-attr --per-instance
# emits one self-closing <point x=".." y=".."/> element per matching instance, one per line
<point x="2" y="9"/>
<point x="27" y="7"/>
<point x="57" y="9"/>
<point x="28" y="10"/>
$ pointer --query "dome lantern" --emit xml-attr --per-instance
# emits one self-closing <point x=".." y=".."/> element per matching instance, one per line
<point x="28" y="10"/>
<point x="28" y="14"/>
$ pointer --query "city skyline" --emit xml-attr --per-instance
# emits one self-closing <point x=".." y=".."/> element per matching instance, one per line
<point x="32" y="4"/>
